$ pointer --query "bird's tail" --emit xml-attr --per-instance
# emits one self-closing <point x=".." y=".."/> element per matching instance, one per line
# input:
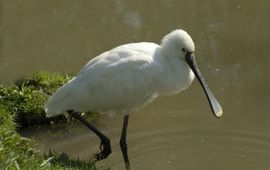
<point x="58" y="102"/>
<point x="51" y="109"/>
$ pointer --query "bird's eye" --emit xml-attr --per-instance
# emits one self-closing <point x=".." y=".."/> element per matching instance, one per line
<point x="184" y="50"/>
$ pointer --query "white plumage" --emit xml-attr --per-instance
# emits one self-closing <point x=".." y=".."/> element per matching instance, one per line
<point x="127" y="77"/>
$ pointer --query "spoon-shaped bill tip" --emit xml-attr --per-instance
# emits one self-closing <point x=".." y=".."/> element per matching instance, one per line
<point x="215" y="106"/>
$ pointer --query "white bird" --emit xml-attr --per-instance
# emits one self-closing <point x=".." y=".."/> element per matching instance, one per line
<point x="127" y="78"/>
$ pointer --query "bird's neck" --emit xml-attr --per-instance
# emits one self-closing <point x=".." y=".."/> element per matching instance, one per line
<point x="176" y="75"/>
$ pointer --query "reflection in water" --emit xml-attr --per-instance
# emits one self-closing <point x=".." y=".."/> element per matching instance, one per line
<point x="178" y="132"/>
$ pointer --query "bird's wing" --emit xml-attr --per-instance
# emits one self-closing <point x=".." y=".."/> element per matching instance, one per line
<point x="120" y="80"/>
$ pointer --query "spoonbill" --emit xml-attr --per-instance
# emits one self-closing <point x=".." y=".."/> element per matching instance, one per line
<point x="125" y="79"/>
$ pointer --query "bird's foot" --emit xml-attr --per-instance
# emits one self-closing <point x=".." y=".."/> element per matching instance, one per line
<point x="105" y="148"/>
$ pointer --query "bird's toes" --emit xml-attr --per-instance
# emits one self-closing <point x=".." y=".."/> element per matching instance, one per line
<point x="105" y="150"/>
<point x="103" y="154"/>
<point x="97" y="156"/>
<point x="100" y="156"/>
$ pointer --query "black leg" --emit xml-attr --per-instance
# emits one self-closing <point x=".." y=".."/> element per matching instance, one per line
<point x="105" y="145"/>
<point x="123" y="142"/>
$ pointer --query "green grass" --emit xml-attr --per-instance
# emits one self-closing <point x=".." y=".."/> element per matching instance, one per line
<point x="25" y="99"/>
<point x="21" y="105"/>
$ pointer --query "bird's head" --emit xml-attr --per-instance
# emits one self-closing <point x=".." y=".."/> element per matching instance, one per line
<point x="180" y="45"/>
<point x="177" y="44"/>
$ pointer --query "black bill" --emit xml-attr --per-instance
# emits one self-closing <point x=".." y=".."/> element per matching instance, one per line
<point x="215" y="106"/>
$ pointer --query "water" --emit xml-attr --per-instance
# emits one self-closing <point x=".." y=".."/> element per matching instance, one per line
<point x="178" y="132"/>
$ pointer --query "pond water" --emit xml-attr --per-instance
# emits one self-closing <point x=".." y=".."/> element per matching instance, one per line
<point x="173" y="133"/>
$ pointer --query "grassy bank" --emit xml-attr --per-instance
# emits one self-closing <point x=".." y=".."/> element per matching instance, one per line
<point x="25" y="99"/>
<point x="21" y="105"/>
